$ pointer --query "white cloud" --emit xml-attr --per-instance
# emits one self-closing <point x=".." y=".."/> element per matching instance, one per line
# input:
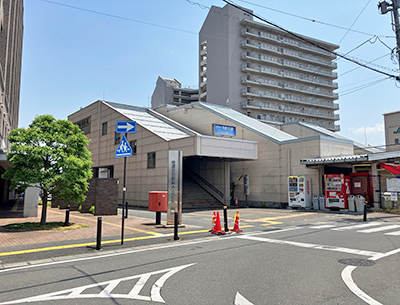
<point x="378" y="128"/>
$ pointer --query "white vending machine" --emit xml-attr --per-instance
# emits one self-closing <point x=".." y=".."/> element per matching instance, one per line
<point x="299" y="192"/>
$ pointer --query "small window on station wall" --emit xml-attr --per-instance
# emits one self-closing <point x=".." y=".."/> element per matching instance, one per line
<point x="151" y="160"/>
<point x="104" y="129"/>
<point x="133" y="146"/>
<point x="117" y="138"/>
<point x="396" y="141"/>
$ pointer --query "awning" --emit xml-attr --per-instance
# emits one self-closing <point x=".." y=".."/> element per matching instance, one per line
<point x="394" y="169"/>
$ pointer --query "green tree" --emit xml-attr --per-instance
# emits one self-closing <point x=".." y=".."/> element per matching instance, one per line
<point x="52" y="154"/>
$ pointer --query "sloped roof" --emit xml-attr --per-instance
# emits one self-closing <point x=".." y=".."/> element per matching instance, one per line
<point x="154" y="122"/>
<point x="256" y="126"/>
<point x="338" y="136"/>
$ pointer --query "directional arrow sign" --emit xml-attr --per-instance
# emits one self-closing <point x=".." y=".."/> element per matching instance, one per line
<point x="124" y="149"/>
<point x="126" y="127"/>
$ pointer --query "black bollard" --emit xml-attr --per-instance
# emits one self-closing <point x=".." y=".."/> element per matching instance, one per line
<point x="226" y="219"/>
<point x="365" y="211"/>
<point x="66" y="217"/>
<point x="176" y="220"/>
<point x="158" y="218"/>
<point x="98" y="243"/>
<point x="126" y="209"/>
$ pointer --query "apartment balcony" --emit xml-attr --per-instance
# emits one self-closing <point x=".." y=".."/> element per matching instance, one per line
<point x="258" y="58"/>
<point x="256" y="46"/>
<point x="263" y="35"/>
<point x="283" y="108"/>
<point x="293" y="88"/>
<point x="309" y="79"/>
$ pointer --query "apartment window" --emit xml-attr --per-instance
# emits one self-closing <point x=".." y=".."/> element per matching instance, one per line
<point x="84" y="125"/>
<point x="259" y="68"/>
<point x="151" y="160"/>
<point x="259" y="56"/>
<point x="259" y="44"/>
<point x="259" y="33"/>
<point x="104" y="129"/>
<point x="133" y="146"/>
<point x="117" y="138"/>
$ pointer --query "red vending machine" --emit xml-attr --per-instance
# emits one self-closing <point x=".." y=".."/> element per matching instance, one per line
<point x="337" y="189"/>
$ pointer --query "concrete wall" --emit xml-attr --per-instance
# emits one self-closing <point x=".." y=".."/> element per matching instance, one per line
<point x="392" y="135"/>
<point x="139" y="179"/>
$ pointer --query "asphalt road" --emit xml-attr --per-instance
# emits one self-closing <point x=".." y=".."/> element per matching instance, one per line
<point x="312" y="260"/>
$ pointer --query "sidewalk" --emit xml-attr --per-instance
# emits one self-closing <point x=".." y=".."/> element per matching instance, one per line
<point x="111" y="226"/>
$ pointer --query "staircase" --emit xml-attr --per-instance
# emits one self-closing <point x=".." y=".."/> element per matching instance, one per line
<point x="194" y="196"/>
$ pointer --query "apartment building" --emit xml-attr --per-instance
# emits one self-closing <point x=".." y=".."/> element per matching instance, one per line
<point x="170" y="91"/>
<point x="11" y="35"/>
<point x="264" y="72"/>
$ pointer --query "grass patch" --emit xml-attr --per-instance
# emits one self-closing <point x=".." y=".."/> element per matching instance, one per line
<point x="36" y="226"/>
<point x="391" y="211"/>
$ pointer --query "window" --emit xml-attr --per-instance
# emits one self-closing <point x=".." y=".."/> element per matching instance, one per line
<point x="396" y="141"/>
<point x="117" y="138"/>
<point x="104" y="129"/>
<point x="151" y="160"/>
<point x="133" y="146"/>
<point x="84" y="125"/>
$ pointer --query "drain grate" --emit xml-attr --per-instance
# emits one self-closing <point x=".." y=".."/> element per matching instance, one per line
<point x="357" y="262"/>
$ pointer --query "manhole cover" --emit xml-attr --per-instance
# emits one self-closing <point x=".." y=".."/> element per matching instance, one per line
<point x="357" y="262"/>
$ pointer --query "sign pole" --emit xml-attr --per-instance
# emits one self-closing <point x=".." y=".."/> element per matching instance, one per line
<point x="123" y="201"/>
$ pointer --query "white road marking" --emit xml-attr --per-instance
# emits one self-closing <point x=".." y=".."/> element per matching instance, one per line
<point x="396" y="233"/>
<point x="240" y="300"/>
<point x="311" y="246"/>
<point x="380" y="229"/>
<point x="365" y="225"/>
<point x="348" y="280"/>
<point x="322" y="226"/>
<point x="77" y="293"/>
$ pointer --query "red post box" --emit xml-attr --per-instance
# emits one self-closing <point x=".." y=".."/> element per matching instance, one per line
<point x="158" y="201"/>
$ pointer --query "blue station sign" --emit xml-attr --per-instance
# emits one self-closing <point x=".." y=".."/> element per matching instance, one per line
<point x="224" y="130"/>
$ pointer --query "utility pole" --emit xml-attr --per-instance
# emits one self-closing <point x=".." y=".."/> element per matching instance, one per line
<point x="394" y="6"/>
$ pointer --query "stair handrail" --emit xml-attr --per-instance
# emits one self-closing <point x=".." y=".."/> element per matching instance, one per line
<point x="206" y="185"/>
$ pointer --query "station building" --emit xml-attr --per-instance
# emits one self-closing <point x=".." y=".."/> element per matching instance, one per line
<point x="220" y="146"/>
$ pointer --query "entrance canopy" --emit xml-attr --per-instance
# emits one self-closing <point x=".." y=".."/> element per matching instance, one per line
<point x="394" y="169"/>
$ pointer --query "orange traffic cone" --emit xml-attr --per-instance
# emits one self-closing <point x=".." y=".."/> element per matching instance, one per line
<point x="236" y="226"/>
<point x="217" y="227"/>
<point x="213" y="219"/>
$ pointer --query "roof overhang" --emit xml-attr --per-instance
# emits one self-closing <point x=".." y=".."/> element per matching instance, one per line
<point x="208" y="146"/>
<point x="332" y="160"/>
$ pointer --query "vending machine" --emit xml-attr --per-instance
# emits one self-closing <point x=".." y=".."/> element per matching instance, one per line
<point x="337" y="189"/>
<point x="299" y="191"/>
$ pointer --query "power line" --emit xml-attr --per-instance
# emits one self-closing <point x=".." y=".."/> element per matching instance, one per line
<point x="348" y="30"/>
<point x="355" y="89"/>
<point x="118" y="17"/>
<point x="311" y="42"/>
<point x="312" y="20"/>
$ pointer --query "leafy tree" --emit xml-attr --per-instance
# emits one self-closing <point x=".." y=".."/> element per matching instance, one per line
<point x="51" y="154"/>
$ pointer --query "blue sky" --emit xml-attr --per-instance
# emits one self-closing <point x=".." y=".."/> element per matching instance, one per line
<point x="73" y="57"/>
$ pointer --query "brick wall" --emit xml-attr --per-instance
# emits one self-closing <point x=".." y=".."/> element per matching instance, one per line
<point x="102" y="194"/>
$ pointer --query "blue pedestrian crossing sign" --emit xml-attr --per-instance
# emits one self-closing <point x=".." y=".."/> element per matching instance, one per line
<point x="123" y="149"/>
<point x="126" y="127"/>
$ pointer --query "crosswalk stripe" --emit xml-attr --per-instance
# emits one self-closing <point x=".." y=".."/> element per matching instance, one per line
<point x="395" y="233"/>
<point x="380" y="229"/>
<point x="366" y="225"/>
